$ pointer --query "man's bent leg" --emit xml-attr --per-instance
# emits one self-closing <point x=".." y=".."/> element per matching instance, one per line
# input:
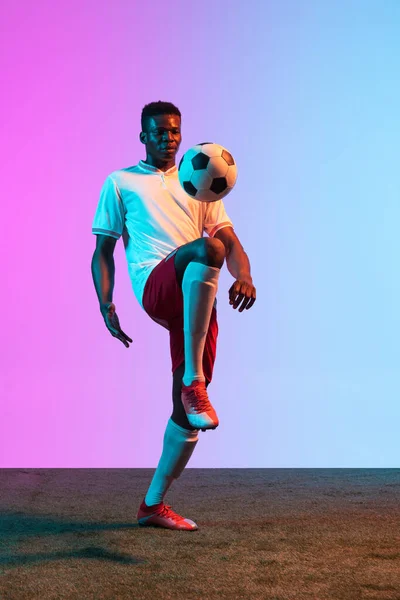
<point x="199" y="288"/>
<point x="198" y="267"/>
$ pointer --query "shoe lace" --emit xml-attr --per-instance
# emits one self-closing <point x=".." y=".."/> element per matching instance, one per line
<point x="169" y="513"/>
<point x="198" y="399"/>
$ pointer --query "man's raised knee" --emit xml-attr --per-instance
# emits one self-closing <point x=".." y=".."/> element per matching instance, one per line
<point x="214" y="252"/>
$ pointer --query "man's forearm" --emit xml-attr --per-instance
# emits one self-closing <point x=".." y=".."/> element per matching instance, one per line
<point x="103" y="272"/>
<point x="238" y="263"/>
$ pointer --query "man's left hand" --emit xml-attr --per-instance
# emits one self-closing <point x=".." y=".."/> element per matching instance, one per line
<point x="244" y="292"/>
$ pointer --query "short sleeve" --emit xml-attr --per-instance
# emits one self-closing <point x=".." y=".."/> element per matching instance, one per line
<point x="215" y="218"/>
<point x="109" y="218"/>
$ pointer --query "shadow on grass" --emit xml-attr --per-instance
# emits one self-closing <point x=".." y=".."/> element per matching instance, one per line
<point x="16" y="527"/>
<point x="90" y="552"/>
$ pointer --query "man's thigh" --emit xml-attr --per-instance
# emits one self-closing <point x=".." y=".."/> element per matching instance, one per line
<point x="162" y="296"/>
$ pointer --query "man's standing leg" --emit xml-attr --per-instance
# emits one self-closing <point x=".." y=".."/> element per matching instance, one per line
<point x="181" y="437"/>
<point x="178" y="447"/>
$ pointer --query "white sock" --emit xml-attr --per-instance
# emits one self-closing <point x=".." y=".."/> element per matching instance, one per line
<point x="178" y="447"/>
<point x="199" y="288"/>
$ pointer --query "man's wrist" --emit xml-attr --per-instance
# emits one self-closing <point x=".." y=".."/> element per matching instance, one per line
<point x="105" y="305"/>
<point x="245" y="276"/>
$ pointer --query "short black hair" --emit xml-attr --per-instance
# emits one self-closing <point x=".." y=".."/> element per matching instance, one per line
<point x="158" y="108"/>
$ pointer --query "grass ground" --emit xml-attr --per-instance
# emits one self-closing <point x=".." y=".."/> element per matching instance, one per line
<point x="273" y="534"/>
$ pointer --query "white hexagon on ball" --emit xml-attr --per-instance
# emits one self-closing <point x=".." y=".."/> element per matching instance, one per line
<point x="217" y="167"/>
<point x="212" y="149"/>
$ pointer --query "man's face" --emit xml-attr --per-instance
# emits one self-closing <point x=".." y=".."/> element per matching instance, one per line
<point x="163" y="137"/>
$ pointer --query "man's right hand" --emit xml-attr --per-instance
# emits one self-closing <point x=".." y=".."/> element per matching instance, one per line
<point x="112" y="323"/>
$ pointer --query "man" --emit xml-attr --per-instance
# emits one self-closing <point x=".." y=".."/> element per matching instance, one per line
<point x="174" y="272"/>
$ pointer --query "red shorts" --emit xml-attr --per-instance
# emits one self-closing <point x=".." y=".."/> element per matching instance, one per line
<point x="163" y="302"/>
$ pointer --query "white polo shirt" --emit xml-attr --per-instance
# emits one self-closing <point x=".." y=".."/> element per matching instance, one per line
<point x="154" y="215"/>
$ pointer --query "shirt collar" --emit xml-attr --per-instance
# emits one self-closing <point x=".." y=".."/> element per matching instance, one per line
<point x="151" y="169"/>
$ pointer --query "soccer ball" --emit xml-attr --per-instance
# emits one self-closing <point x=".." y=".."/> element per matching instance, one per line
<point x="207" y="172"/>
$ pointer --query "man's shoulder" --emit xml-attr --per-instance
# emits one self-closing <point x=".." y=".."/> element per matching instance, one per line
<point x="126" y="178"/>
<point x="125" y="171"/>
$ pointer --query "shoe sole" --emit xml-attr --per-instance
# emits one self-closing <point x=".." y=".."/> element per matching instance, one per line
<point x="197" y="427"/>
<point x="146" y="522"/>
<point x="210" y="425"/>
<point x="162" y="527"/>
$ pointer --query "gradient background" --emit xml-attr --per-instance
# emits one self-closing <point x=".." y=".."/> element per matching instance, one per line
<point x="306" y="96"/>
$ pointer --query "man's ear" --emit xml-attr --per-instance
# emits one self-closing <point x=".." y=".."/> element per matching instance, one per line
<point x="142" y="137"/>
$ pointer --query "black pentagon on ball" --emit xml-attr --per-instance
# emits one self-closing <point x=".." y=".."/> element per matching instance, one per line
<point x="200" y="161"/>
<point x="189" y="188"/>
<point x="219" y="184"/>
<point x="204" y="143"/>
<point x="180" y="162"/>
<point x="228" y="157"/>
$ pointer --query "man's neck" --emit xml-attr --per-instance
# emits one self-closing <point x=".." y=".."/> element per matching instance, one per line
<point x="162" y="165"/>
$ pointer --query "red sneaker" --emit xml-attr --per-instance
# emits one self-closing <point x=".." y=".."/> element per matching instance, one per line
<point x="199" y="411"/>
<point x="161" y="515"/>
